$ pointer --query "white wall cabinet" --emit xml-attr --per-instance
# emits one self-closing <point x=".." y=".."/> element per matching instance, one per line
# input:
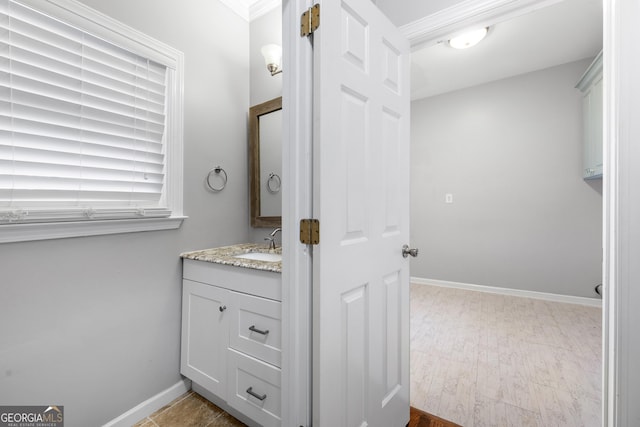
<point x="592" y="116"/>
<point x="231" y="337"/>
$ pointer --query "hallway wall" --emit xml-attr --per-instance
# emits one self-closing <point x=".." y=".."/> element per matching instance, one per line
<point x="510" y="153"/>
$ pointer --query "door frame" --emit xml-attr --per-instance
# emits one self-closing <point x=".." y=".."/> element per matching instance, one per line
<point x="621" y="387"/>
<point x="297" y="197"/>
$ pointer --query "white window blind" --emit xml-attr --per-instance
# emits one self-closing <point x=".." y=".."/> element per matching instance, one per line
<point x="82" y="124"/>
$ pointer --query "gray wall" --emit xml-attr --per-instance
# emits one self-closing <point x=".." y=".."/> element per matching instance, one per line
<point x="510" y="153"/>
<point x="265" y="30"/>
<point x="94" y="323"/>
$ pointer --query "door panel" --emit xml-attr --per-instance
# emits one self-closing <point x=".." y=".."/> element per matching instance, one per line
<point x="353" y="141"/>
<point x="391" y="171"/>
<point x="391" y="345"/>
<point x="354" y="315"/>
<point x="361" y="197"/>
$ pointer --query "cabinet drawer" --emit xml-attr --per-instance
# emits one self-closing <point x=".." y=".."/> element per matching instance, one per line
<point x="256" y="327"/>
<point x="266" y="284"/>
<point x="254" y="388"/>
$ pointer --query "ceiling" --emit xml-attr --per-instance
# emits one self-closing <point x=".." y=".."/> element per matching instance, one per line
<point x="564" y="32"/>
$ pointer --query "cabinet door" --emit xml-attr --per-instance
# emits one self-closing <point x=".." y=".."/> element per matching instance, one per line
<point x="592" y="125"/>
<point x="205" y="334"/>
<point x="597" y="118"/>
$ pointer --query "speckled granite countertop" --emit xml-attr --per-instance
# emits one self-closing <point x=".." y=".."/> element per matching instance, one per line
<point x="226" y="255"/>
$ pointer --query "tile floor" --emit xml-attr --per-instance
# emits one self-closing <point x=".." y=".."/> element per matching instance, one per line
<point x="193" y="410"/>
<point x="189" y="410"/>
<point x="479" y="360"/>
<point x="482" y="359"/>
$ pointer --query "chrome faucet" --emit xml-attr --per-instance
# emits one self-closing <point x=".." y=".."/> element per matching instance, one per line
<point x="272" y="238"/>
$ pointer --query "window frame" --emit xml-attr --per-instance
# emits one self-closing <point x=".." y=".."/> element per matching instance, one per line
<point x="94" y="22"/>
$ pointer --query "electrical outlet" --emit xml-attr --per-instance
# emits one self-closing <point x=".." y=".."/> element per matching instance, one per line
<point x="448" y="198"/>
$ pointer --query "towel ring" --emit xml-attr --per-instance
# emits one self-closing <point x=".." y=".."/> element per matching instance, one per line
<point x="217" y="170"/>
<point x="273" y="183"/>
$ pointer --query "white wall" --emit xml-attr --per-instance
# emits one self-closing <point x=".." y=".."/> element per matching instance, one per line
<point x="510" y="153"/>
<point x="94" y="323"/>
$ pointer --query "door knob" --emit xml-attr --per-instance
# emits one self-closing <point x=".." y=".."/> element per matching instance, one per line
<point x="406" y="251"/>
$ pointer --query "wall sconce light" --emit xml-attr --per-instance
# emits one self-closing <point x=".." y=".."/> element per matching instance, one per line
<point x="272" y="57"/>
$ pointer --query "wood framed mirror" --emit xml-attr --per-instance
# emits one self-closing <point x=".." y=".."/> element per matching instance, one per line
<point x="265" y="163"/>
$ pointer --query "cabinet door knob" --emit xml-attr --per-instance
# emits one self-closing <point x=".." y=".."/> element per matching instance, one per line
<point x="222" y="308"/>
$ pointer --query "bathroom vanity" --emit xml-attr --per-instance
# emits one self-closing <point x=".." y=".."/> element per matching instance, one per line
<point x="231" y="329"/>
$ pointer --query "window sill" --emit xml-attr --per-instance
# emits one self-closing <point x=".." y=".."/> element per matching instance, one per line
<point x="59" y="230"/>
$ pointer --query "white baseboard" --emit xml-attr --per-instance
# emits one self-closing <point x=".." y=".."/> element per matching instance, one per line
<point x="592" y="302"/>
<point x="151" y="405"/>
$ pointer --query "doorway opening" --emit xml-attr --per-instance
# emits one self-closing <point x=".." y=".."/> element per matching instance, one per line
<point x="507" y="208"/>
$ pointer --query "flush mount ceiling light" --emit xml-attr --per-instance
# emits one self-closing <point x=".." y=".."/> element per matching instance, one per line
<point x="272" y="56"/>
<point x="468" y="39"/>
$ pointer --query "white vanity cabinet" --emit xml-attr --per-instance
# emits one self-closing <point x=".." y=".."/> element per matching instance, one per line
<point x="231" y="337"/>
<point x="592" y="118"/>
<point x="204" y="330"/>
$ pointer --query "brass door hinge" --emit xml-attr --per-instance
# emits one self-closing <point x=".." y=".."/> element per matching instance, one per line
<point x="310" y="21"/>
<point x="310" y="231"/>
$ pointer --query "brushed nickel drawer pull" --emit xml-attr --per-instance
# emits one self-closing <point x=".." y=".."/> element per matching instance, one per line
<point x="256" y="395"/>
<point x="253" y="328"/>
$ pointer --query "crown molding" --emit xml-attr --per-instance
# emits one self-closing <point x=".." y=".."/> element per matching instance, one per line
<point x="443" y="24"/>
<point x="240" y="7"/>
<point x="251" y="9"/>
<point x="262" y="7"/>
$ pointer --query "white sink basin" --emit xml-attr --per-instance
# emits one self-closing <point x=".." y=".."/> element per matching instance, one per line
<point x="260" y="256"/>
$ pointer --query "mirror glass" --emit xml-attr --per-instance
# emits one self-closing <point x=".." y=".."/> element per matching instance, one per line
<point x="265" y="163"/>
<point x="271" y="164"/>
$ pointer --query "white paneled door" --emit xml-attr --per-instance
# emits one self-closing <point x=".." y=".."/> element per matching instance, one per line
<point x="361" y="197"/>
